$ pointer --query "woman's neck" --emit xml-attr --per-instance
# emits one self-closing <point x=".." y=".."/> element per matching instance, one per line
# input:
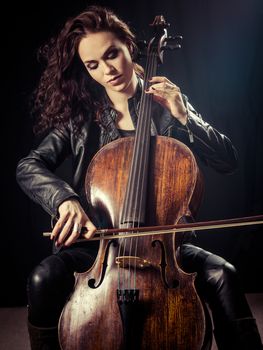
<point x="119" y="98"/>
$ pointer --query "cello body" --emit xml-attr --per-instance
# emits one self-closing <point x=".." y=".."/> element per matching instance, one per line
<point x="138" y="297"/>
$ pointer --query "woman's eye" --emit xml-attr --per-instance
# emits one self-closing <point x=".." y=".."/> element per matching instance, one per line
<point x="113" y="54"/>
<point x="92" y="66"/>
<point x="110" y="56"/>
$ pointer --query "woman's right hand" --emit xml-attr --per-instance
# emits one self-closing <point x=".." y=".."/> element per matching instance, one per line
<point x="71" y="220"/>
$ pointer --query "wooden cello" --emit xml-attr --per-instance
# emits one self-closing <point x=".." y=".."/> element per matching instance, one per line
<point x="135" y="296"/>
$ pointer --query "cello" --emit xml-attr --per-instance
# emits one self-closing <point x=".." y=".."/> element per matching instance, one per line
<point x="135" y="296"/>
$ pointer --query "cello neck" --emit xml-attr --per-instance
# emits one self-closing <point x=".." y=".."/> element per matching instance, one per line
<point x="134" y="205"/>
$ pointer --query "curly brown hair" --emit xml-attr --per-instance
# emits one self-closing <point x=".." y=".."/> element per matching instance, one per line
<point x="65" y="91"/>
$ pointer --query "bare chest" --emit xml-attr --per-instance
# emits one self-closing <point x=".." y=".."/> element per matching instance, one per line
<point x="124" y="121"/>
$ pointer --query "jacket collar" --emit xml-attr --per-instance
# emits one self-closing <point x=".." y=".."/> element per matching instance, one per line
<point x="109" y="115"/>
<point x="106" y="104"/>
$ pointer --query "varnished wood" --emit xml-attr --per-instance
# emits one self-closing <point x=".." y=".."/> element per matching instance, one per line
<point x="168" y="316"/>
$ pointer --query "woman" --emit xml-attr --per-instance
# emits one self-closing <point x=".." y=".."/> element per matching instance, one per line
<point x="87" y="97"/>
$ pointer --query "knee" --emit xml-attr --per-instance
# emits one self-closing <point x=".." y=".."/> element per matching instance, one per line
<point x="39" y="278"/>
<point x="223" y="276"/>
<point x="48" y="287"/>
<point x="50" y="275"/>
<point x="229" y="270"/>
<point x="228" y="273"/>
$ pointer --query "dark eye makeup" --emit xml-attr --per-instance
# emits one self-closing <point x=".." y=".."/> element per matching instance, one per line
<point x="113" y="53"/>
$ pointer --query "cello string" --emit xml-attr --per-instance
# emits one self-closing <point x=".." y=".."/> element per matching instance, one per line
<point x="118" y="264"/>
<point x="145" y="134"/>
<point x="132" y="179"/>
<point x="127" y="210"/>
<point x="124" y="277"/>
<point x="142" y="172"/>
<point x="136" y="189"/>
<point x="143" y="121"/>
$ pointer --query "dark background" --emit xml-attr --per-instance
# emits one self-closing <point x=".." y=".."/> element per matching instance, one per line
<point x="219" y="68"/>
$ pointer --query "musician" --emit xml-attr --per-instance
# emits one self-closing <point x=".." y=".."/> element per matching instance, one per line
<point x="88" y="96"/>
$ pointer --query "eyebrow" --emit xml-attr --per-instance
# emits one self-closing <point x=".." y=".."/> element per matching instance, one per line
<point x="103" y="56"/>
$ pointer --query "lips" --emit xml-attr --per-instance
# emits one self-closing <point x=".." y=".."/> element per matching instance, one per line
<point x="114" y="79"/>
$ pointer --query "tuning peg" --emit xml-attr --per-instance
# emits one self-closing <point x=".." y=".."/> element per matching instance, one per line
<point x="171" y="47"/>
<point x="171" y="43"/>
<point x="171" y="39"/>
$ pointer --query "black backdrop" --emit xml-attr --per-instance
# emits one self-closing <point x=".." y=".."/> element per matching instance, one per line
<point x="220" y="69"/>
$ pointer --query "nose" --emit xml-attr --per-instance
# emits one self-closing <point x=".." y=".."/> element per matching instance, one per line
<point x="108" y="68"/>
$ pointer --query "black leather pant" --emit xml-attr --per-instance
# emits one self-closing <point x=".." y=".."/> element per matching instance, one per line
<point x="52" y="280"/>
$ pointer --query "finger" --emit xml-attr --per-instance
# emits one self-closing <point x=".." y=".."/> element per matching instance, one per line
<point x="157" y="93"/>
<point x="58" y="226"/>
<point x="156" y="84"/>
<point x="91" y="229"/>
<point x="165" y="86"/>
<point x="160" y="93"/>
<point x="159" y="79"/>
<point x="64" y="232"/>
<point x="71" y="239"/>
<point x="74" y="234"/>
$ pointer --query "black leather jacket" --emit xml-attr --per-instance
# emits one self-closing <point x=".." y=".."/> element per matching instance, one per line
<point x="35" y="172"/>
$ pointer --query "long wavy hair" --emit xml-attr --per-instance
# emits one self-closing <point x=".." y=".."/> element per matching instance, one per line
<point x="66" y="91"/>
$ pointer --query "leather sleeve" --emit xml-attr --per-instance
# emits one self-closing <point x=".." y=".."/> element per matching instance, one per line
<point x="35" y="172"/>
<point x="212" y="147"/>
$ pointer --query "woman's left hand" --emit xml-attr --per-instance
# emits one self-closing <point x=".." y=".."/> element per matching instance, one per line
<point x="169" y="96"/>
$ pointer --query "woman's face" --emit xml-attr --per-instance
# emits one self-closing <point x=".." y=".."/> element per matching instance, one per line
<point x="108" y="61"/>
